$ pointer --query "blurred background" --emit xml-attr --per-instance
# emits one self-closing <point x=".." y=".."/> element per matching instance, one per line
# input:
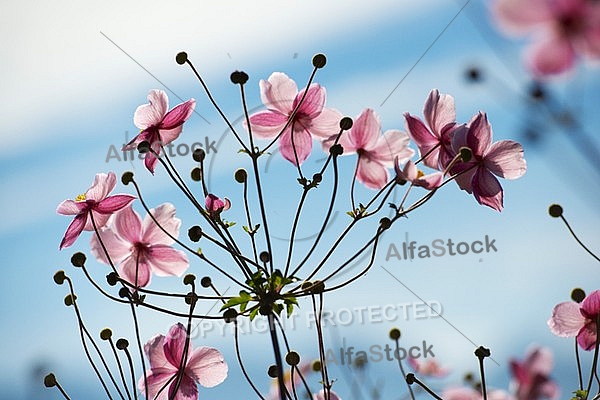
<point x="74" y="72"/>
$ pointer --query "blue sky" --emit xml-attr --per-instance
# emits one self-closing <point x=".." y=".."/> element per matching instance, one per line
<point x="69" y="94"/>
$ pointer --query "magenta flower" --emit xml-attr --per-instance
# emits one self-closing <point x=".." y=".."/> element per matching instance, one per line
<point x="434" y="137"/>
<point x="141" y="247"/>
<point x="322" y="396"/>
<point x="215" y="205"/>
<point x="563" y="30"/>
<point x="376" y="152"/>
<point x="159" y="127"/>
<point x="410" y="173"/>
<point x="428" y="368"/>
<point x="571" y="319"/>
<point x="94" y="203"/>
<point x="468" y="393"/>
<point x="280" y="95"/>
<point x="204" y="365"/>
<point x="503" y="159"/>
<point x="532" y="375"/>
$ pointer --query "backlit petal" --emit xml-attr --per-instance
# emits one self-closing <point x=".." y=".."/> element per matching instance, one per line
<point x="73" y="231"/>
<point x="371" y="173"/>
<point x="165" y="216"/>
<point x="167" y="261"/>
<point x="102" y="186"/>
<point x="505" y="159"/>
<point x="152" y="113"/>
<point x="178" y="115"/>
<point x="551" y="56"/>
<point x="174" y="344"/>
<point x="278" y="93"/>
<point x="267" y="124"/>
<point x="128" y="225"/>
<point x="487" y="189"/>
<point x="566" y="320"/>
<point x="439" y="111"/>
<point x="113" y="203"/>
<point x="207" y="366"/>
<point x="301" y="147"/>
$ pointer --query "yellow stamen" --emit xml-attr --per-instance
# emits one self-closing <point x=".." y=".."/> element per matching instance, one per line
<point x="420" y="174"/>
<point x="81" y="197"/>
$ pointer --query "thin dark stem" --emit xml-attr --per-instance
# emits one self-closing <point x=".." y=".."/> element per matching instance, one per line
<point x="278" y="360"/>
<point x="421" y="384"/>
<point x="578" y="365"/>
<point x="595" y="362"/>
<point x="131" y="370"/>
<point x="114" y="350"/>
<point x="577" y="239"/>
<point x="397" y="352"/>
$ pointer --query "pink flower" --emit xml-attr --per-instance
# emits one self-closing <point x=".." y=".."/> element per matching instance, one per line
<point x="428" y="368"/>
<point x="468" y="393"/>
<point x="376" y="152"/>
<point x="435" y="137"/>
<point x="158" y="126"/>
<point x="410" y="173"/>
<point x="563" y="30"/>
<point x="141" y="248"/>
<point x="95" y="202"/>
<point x="532" y="375"/>
<point x="215" y="205"/>
<point x="571" y="319"/>
<point x="280" y="95"/>
<point x="205" y="366"/>
<point x="305" y="369"/>
<point x="322" y="396"/>
<point x="503" y="159"/>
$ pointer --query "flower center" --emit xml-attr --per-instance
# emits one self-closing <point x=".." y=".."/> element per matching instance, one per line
<point x="81" y="197"/>
<point x="420" y="174"/>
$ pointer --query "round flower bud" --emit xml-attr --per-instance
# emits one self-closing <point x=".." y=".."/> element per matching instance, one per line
<point x="59" y="277"/>
<point x="50" y="380"/>
<point x="195" y="233"/>
<point x="78" y="259"/>
<point x="555" y="210"/>
<point x="336" y="150"/>
<point x="316" y="366"/>
<point x="292" y="358"/>
<point x="105" y="334"/>
<point x="196" y="174"/>
<point x="319" y="60"/>
<point x="346" y="123"/>
<point x="272" y="371"/>
<point x="239" y="77"/>
<point x="264" y="256"/>
<point x="143" y="147"/>
<point x="127" y="177"/>
<point x="230" y="315"/>
<point x="189" y="279"/>
<point x="395" y="334"/>
<point x="122" y="344"/>
<point x="240" y="175"/>
<point x="577" y="295"/>
<point x="181" y="58"/>
<point x="199" y="154"/>
<point x="465" y="154"/>
<point x="112" y="278"/>
<point x="206" y="282"/>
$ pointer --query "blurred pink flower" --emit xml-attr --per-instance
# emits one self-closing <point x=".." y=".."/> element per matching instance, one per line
<point x="532" y="376"/>
<point x="428" y="368"/>
<point x="410" y="173"/>
<point x="158" y="126"/>
<point x="305" y="369"/>
<point x="376" y="152"/>
<point x="141" y="248"/>
<point x="95" y="201"/>
<point x="280" y="95"/>
<point x="503" y="159"/>
<point x="468" y="393"/>
<point x="571" y="319"/>
<point x="434" y="137"/>
<point x="321" y="395"/>
<point x="204" y="365"/>
<point x="563" y="29"/>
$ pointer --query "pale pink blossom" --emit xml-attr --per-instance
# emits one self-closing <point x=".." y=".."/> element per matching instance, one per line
<point x="204" y="365"/>
<point x="280" y="95"/>
<point x="468" y="393"/>
<point x="434" y="136"/>
<point x="531" y="377"/>
<point x="428" y="368"/>
<point x="503" y="158"/>
<point x="376" y="152"/>
<point x="410" y="173"/>
<point x="562" y="30"/>
<point x="159" y="126"/>
<point x="94" y="203"/>
<point x="321" y="395"/>
<point x="142" y="247"/>
<point x="571" y="319"/>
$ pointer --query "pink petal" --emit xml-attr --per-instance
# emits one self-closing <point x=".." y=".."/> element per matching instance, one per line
<point x="313" y="102"/>
<point x="566" y="320"/>
<point x="188" y="390"/>
<point x="587" y="336"/>
<point x="113" y="203"/>
<point x="152" y="113"/>
<point x="128" y="225"/>
<point x="517" y="16"/>
<point x="207" y="366"/>
<point x="408" y="173"/>
<point x="424" y="139"/>
<point x="499" y="395"/>
<point x="150" y="162"/>
<point x="551" y="56"/>
<point x="177" y="116"/>
<point x="157" y="379"/>
<point x="430" y="181"/>
<point x="167" y="261"/>
<point x="135" y="270"/>
<point x="392" y="144"/>
<point x="165" y="216"/>
<point x="439" y="111"/>
<point x="326" y="124"/>
<point x="155" y="353"/>
<point x="539" y="361"/>
<point x="461" y="393"/>
<point x="70" y="207"/>
<point x="321" y="395"/>
<point x="371" y="173"/>
<point x="465" y="179"/>
<point x="100" y="220"/>
<point x="102" y="186"/>
<point x="365" y="130"/>
<point x="73" y="231"/>
<point x="267" y="124"/>
<point x="174" y="344"/>
<point x="487" y="189"/>
<point x="479" y="136"/>
<point x="505" y="159"/>
<point x="278" y="93"/>
<point x="302" y="145"/>
<point x="117" y="248"/>
<point x="590" y="306"/>
<point x="168" y="136"/>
